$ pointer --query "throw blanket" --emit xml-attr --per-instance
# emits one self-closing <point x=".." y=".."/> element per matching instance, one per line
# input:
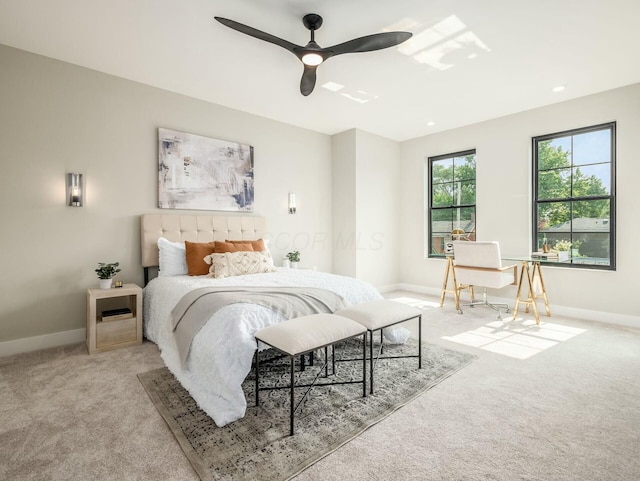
<point x="195" y="307"/>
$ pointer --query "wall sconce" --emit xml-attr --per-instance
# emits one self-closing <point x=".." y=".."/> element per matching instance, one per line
<point x="75" y="190"/>
<point x="292" y="203"/>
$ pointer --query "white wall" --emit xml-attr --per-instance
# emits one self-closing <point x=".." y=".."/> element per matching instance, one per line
<point x="57" y="118"/>
<point x="504" y="197"/>
<point x="365" y="206"/>
<point x="377" y="206"/>
<point x="343" y="181"/>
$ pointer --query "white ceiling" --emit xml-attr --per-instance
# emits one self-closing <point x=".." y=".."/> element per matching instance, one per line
<point x="468" y="61"/>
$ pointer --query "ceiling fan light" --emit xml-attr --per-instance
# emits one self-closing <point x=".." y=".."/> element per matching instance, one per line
<point x="312" y="59"/>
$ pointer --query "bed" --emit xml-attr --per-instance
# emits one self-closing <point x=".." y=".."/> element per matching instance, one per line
<point x="222" y="351"/>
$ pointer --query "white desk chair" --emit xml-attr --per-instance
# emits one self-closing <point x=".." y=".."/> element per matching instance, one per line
<point x="480" y="264"/>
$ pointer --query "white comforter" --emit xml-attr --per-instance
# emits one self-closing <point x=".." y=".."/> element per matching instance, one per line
<point x="222" y="352"/>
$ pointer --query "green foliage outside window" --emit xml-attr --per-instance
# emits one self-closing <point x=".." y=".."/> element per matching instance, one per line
<point x="452" y="196"/>
<point x="454" y="181"/>
<point x="574" y="193"/>
<point x="558" y="179"/>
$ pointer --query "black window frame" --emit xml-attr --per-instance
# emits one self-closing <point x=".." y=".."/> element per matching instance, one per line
<point x="430" y="208"/>
<point x="611" y="126"/>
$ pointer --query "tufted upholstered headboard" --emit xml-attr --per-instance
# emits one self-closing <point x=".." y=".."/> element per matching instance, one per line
<point x="194" y="228"/>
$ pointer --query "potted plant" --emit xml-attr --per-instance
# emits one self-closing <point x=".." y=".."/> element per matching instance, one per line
<point x="575" y="248"/>
<point x="294" y="258"/>
<point x="106" y="273"/>
<point x="562" y="247"/>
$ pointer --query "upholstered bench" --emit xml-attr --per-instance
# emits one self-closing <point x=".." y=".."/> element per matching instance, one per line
<point x="377" y="315"/>
<point x="306" y="334"/>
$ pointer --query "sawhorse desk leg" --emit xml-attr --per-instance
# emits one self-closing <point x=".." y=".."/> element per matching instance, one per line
<point x="531" y="273"/>
<point x="450" y="272"/>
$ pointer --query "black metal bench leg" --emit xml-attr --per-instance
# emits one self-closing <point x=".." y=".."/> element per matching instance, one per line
<point x="292" y="397"/>
<point x="364" y="365"/>
<point x="257" y="376"/>
<point x="371" y="361"/>
<point x="420" y="342"/>
<point x="333" y="359"/>
<point x="326" y="361"/>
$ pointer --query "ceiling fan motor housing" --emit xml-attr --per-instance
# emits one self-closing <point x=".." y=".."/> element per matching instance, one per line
<point x="312" y="21"/>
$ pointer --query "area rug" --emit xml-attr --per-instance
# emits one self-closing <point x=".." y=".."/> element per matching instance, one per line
<point x="258" y="447"/>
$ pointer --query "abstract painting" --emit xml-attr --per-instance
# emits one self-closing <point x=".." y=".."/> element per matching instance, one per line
<point x="196" y="172"/>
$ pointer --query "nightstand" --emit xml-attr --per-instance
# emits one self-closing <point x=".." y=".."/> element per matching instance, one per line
<point x="114" y="318"/>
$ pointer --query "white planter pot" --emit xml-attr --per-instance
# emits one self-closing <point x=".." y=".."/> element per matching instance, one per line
<point x="563" y="255"/>
<point x="105" y="283"/>
<point x="294" y="265"/>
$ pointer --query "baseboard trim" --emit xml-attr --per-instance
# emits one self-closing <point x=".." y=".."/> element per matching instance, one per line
<point x="430" y="291"/>
<point x="387" y="288"/>
<point x="28" y="344"/>
<point x="588" y="315"/>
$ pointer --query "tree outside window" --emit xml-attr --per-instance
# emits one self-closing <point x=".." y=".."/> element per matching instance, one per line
<point x="452" y="200"/>
<point x="574" y="203"/>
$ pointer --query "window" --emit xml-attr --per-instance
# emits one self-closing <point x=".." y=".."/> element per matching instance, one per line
<point x="452" y="199"/>
<point x="574" y="194"/>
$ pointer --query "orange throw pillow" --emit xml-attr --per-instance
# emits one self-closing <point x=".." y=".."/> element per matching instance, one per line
<point x="223" y="247"/>
<point x="197" y="251"/>
<point x="195" y="254"/>
<point x="258" y="245"/>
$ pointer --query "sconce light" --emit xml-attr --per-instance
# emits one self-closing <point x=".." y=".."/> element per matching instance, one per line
<point x="75" y="190"/>
<point x="292" y="203"/>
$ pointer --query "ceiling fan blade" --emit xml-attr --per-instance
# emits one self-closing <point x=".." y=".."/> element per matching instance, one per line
<point x="312" y="54"/>
<point x="308" y="81"/>
<point x="377" y="41"/>
<point x="259" y="34"/>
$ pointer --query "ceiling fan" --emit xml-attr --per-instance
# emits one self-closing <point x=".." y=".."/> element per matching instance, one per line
<point x="312" y="54"/>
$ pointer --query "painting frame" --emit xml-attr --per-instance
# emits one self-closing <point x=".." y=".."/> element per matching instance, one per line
<point x="202" y="173"/>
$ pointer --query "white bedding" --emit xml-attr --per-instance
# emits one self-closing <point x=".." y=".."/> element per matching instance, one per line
<point x="222" y="352"/>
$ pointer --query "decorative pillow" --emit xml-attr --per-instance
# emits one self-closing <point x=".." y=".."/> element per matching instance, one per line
<point x="222" y="247"/>
<point x="267" y="254"/>
<point x="238" y="264"/>
<point x="258" y="245"/>
<point x="172" y="258"/>
<point x="195" y="252"/>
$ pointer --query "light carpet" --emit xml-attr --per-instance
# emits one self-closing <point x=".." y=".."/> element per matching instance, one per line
<point x="258" y="447"/>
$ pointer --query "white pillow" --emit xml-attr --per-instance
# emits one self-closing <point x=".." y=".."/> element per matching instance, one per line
<point x="238" y="264"/>
<point x="396" y="335"/>
<point x="172" y="260"/>
<point x="268" y="255"/>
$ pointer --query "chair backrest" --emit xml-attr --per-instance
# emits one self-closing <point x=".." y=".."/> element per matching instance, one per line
<point x="477" y="254"/>
<point x="479" y="263"/>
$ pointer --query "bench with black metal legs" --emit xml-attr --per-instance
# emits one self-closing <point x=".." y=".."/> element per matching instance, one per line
<point x="306" y="334"/>
<point x="377" y="315"/>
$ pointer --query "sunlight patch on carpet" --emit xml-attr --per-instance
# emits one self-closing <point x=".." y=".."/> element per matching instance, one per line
<point x="419" y="303"/>
<point x="519" y="339"/>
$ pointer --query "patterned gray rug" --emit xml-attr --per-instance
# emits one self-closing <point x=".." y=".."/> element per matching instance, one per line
<point x="258" y="447"/>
